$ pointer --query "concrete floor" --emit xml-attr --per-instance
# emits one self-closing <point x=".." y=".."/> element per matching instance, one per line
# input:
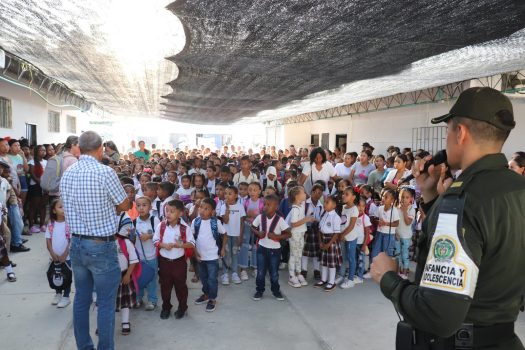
<point x="358" y="318"/>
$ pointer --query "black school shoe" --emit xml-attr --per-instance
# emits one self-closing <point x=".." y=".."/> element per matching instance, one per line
<point x="257" y="296"/>
<point x="319" y="284"/>
<point x="278" y="296"/>
<point x="202" y="299"/>
<point x="180" y="314"/>
<point x="19" y="249"/>
<point x="165" y="314"/>
<point x="210" y="307"/>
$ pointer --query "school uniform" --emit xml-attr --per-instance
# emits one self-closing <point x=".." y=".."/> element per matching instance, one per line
<point x="311" y="245"/>
<point x="209" y="252"/>
<point x="126" y="294"/>
<point x="233" y="229"/>
<point x="329" y="225"/>
<point x="162" y="205"/>
<point x="172" y="265"/>
<point x="269" y="251"/>
<point x="297" y="213"/>
<point x="147" y="253"/>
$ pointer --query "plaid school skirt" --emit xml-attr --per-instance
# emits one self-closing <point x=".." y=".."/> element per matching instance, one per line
<point x="332" y="257"/>
<point x="126" y="295"/>
<point x="311" y="243"/>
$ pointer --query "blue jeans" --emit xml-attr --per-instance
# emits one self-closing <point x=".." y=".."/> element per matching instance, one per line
<point x="245" y="258"/>
<point x="402" y="247"/>
<point x="360" y="261"/>
<point x="95" y="265"/>
<point x="209" y="271"/>
<point x="152" y="286"/>
<point x="17" y="224"/>
<point x="351" y="257"/>
<point x="384" y="242"/>
<point x="344" y="253"/>
<point x="268" y="260"/>
<point x="232" y="254"/>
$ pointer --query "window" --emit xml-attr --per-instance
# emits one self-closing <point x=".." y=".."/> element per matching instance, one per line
<point x="53" y="121"/>
<point x="431" y="139"/>
<point x="6" y="113"/>
<point x="71" y="124"/>
<point x="314" y="140"/>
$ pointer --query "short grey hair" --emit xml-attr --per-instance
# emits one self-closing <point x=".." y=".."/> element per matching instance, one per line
<point x="89" y="141"/>
<point x="70" y="142"/>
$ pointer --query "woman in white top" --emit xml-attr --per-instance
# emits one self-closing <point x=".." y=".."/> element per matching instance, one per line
<point x="317" y="169"/>
<point x="400" y="171"/>
<point x="343" y="169"/>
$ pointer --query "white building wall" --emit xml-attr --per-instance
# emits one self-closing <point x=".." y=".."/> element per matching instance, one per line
<point x="389" y="127"/>
<point x="28" y="107"/>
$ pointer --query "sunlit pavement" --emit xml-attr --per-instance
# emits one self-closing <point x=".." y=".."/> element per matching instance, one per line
<point x="309" y="318"/>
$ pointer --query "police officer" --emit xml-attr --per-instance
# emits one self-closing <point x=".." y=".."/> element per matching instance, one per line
<point x="469" y="283"/>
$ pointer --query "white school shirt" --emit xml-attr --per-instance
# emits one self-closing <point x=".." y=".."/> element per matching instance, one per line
<point x="372" y="211"/>
<point x="385" y="216"/>
<point x="403" y="230"/>
<point x="237" y="212"/>
<point x="206" y="244"/>
<point x="5" y="187"/>
<point x="211" y="186"/>
<point x="144" y="226"/>
<point x="330" y="223"/>
<point x="279" y="228"/>
<point x="360" y="225"/>
<point x="59" y="242"/>
<point x="296" y="214"/>
<point x="181" y="191"/>
<point x="172" y="235"/>
<point x="122" y="261"/>
<point x="346" y="215"/>
<point x="343" y="171"/>
<point x="239" y="177"/>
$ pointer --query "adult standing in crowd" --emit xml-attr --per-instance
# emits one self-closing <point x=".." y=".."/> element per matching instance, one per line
<point x="92" y="195"/>
<point x="142" y="152"/>
<point x="469" y="282"/>
<point x="344" y="168"/>
<point x="318" y="169"/>
<point x="20" y="164"/>
<point x="517" y="163"/>
<point x="111" y="152"/>
<point x="69" y="156"/>
<point x="361" y="169"/>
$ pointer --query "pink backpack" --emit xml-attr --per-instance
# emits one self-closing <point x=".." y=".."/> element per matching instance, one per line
<point x="138" y="267"/>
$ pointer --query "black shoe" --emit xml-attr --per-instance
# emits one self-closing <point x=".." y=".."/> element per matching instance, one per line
<point x="210" y="307"/>
<point x="180" y="314"/>
<point x="319" y="284"/>
<point x="257" y="296"/>
<point x="19" y="248"/>
<point x="202" y="299"/>
<point x="24" y="240"/>
<point x="165" y="314"/>
<point x="278" y="296"/>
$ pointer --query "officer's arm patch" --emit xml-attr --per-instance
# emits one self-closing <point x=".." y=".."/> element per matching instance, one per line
<point x="448" y="267"/>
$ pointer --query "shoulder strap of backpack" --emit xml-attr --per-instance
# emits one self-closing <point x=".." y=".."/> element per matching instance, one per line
<point x="214" y="227"/>
<point x="182" y="232"/>
<point x="120" y="220"/>
<point x="134" y="223"/>
<point x="274" y="223"/>
<point x="264" y="222"/>
<point x="162" y="230"/>
<point x="197" y="226"/>
<point x="123" y="247"/>
<point x="265" y="182"/>
<point x="152" y="222"/>
<point x="261" y="205"/>
<point x="51" y="227"/>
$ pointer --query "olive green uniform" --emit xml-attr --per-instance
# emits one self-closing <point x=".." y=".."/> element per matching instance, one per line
<point x="493" y="230"/>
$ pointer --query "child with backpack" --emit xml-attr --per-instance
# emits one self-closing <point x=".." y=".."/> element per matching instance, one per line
<point x="210" y="245"/>
<point x="57" y="241"/>
<point x="129" y="263"/>
<point x="271" y="229"/>
<point x="171" y="238"/>
<point x="145" y="225"/>
<point x="253" y="207"/>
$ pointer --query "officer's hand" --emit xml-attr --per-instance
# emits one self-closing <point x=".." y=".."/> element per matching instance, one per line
<point x="428" y="181"/>
<point x="381" y="265"/>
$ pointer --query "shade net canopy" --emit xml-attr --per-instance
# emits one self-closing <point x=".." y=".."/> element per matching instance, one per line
<point x="240" y="60"/>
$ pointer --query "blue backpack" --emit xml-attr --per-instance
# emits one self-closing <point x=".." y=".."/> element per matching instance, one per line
<point x="214" y="231"/>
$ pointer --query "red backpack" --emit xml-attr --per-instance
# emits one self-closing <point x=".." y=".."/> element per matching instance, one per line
<point x="188" y="252"/>
<point x="137" y="271"/>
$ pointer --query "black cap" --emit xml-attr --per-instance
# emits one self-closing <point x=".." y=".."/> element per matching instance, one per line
<point x="480" y="103"/>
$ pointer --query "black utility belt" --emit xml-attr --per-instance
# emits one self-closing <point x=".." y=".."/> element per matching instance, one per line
<point x="466" y="337"/>
<point x="95" y="238"/>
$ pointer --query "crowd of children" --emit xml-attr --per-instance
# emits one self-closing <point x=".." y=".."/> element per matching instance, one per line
<point x="245" y="214"/>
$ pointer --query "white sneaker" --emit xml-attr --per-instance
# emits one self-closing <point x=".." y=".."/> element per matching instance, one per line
<point x="338" y="279"/>
<point x="367" y="275"/>
<point x="56" y="299"/>
<point x="63" y="302"/>
<point x="302" y="280"/>
<point x="150" y="306"/>
<point x="347" y="284"/>
<point x="235" y="278"/>
<point x="225" y="280"/>
<point x="294" y="282"/>
<point x="254" y="273"/>
<point x="244" y="275"/>
<point x="282" y="266"/>
<point x="358" y="280"/>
